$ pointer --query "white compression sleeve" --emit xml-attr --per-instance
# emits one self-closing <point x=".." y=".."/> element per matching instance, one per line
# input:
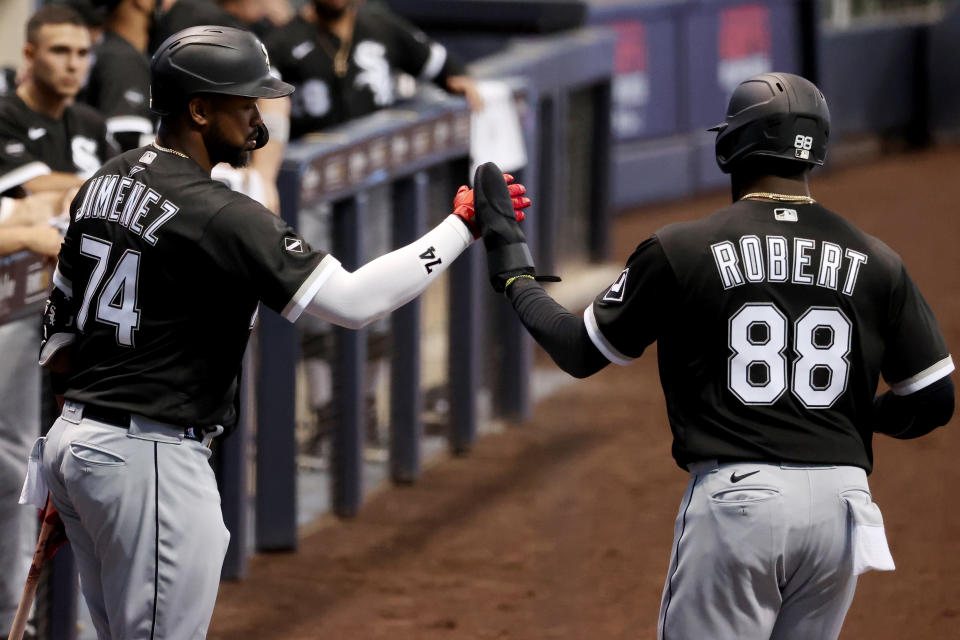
<point x="356" y="299"/>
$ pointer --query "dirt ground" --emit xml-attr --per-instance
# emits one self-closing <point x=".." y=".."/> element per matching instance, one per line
<point x="561" y="527"/>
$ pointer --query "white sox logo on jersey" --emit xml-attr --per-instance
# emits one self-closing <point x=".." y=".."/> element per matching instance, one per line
<point x="85" y="157"/>
<point x="615" y="292"/>
<point x="371" y="57"/>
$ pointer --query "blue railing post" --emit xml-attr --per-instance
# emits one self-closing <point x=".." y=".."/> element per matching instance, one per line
<point x="349" y="371"/>
<point x="62" y="596"/>
<point x="410" y="196"/>
<point x="276" y="519"/>
<point x="232" y="474"/>
<point x="465" y="349"/>
<point x="276" y="499"/>
<point x="600" y="173"/>
<point x="546" y="195"/>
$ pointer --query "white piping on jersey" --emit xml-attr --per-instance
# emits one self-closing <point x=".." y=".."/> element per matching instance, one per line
<point x="433" y="65"/>
<point x="309" y="288"/>
<point x="600" y="341"/>
<point x="925" y="378"/>
<point x="138" y="124"/>
<point x="61" y="282"/>
<point x="23" y="174"/>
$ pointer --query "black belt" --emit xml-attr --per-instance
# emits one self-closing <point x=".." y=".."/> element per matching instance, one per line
<point x="121" y="418"/>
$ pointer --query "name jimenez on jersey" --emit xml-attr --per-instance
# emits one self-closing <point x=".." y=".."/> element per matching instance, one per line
<point x="745" y="261"/>
<point x="126" y="201"/>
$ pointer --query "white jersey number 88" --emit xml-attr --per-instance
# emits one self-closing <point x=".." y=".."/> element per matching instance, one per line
<point x="757" y="368"/>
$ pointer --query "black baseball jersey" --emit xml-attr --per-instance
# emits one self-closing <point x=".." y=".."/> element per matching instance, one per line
<point x="166" y="267"/>
<point x="119" y="88"/>
<point x="33" y="144"/>
<point x="773" y="324"/>
<point x="191" y="13"/>
<point x="383" y="44"/>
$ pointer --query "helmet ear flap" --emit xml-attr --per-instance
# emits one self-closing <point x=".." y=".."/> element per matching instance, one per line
<point x="156" y="104"/>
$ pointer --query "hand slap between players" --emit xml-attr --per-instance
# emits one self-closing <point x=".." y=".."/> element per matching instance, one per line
<point x="464" y="209"/>
<point x="508" y="256"/>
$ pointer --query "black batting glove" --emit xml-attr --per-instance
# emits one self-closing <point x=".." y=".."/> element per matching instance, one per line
<point x="508" y="256"/>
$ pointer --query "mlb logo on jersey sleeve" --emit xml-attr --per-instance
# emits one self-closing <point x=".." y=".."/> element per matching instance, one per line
<point x="615" y="292"/>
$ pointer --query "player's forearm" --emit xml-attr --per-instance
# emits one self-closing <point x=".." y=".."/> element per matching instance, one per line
<point x="356" y="299"/>
<point x="56" y="181"/>
<point x="561" y="334"/>
<point x="916" y="414"/>
<point x="13" y="238"/>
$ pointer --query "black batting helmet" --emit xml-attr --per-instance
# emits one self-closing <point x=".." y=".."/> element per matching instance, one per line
<point x="211" y="59"/>
<point x="774" y="114"/>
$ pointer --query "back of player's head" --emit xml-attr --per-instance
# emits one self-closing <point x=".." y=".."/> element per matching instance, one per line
<point x="211" y="59"/>
<point x="52" y="14"/>
<point x="774" y="115"/>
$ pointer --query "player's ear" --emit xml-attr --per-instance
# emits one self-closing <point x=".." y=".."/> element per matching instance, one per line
<point x="199" y="108"/>
<point x="29" y="50"/>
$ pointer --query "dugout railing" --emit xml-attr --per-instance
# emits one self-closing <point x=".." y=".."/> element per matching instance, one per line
<point x="403" y="151"/>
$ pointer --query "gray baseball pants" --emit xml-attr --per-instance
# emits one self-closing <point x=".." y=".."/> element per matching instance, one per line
<point x="142" y="513"/>
<point x="769" y="551"/>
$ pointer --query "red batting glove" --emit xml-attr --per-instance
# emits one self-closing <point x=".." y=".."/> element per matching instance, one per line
<point x="463" y="203"/>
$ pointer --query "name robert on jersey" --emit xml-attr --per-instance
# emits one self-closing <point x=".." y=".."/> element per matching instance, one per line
<point x="752" y="264"/>
<point x="127" y="202"/>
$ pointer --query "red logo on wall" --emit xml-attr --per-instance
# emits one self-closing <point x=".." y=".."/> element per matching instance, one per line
<point x="631" y="54"/>
<point x="631" y="82"/>
<point x="744" y="44"/>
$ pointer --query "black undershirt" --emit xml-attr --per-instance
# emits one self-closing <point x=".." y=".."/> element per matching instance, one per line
<point x="916" y="414"/>
<point x="561" y="334"/>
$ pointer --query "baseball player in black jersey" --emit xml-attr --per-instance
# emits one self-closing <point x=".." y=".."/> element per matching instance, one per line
<point x="342" y="62"/>
<point x="184" y="14"/>
<point x="156" y="289"/>
<point x="119" y="82"/>
<point x="774" y="319"/>
<point x="46" y="142"/>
